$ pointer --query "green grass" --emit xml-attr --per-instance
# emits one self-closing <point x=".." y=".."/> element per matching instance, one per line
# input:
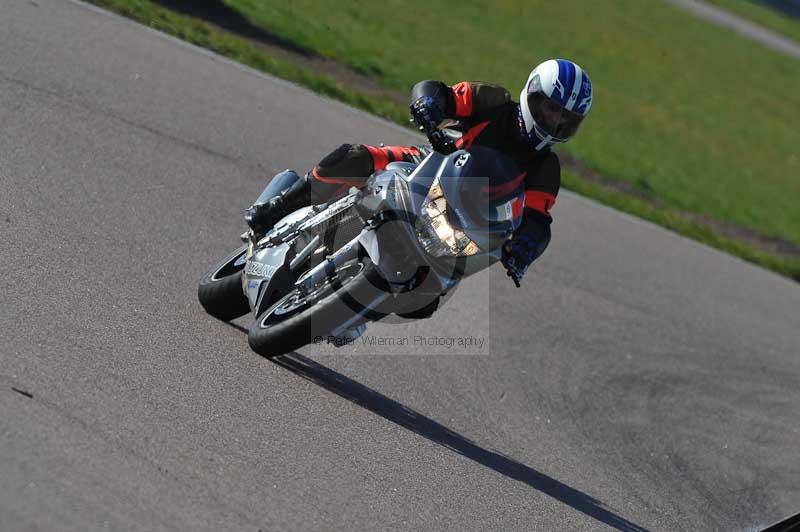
<point x="691" y="120"/>
<point x="763" y="15"/>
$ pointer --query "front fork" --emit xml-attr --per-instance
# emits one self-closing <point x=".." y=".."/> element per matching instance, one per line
<point x="348" y="331"/>
<point x="327" y="268"/>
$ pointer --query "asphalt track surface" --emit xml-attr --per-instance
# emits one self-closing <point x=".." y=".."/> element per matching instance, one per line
<point x="637" y="381"/>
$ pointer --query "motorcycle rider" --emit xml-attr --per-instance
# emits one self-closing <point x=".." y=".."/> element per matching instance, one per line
<point x="553" y="103"/>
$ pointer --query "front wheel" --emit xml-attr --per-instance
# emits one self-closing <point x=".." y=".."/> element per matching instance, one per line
<point x="220" y="290"/>
<point x="355" y="294"/>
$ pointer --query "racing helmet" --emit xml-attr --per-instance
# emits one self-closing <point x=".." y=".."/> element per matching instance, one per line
<point x="554" y="102"/>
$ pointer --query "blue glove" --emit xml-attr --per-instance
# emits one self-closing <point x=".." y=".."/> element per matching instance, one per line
<point x="518" y="253"/>
<point x="426" y="113"/>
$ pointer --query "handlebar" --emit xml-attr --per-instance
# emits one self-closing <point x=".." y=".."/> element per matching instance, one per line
<point x="439" y="140"/>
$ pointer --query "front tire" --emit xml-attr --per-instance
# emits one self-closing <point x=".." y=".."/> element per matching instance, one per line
<point x="355" y="295"/>
<point x="220" y="290"/>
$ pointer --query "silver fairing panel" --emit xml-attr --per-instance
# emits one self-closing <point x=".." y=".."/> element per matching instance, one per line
<point x="265" y="275"/>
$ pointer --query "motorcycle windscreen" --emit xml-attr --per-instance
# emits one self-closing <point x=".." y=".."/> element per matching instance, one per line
<point x="485" y="192"/>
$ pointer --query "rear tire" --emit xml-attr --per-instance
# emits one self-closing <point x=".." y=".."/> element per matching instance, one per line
<point x="295" y="320"/>
<point x="220" y="290"/>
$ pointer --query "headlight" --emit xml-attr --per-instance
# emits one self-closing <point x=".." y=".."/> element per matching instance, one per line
<point x="434" y="231"/>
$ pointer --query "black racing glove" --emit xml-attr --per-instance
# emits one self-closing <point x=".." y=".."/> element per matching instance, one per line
<point x="518" y="254"/>
<point x="427" y="113"/>
<point x="527" y="244"/>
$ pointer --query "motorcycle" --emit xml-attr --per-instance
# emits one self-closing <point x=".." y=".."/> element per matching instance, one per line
<point x="396" y="246"/>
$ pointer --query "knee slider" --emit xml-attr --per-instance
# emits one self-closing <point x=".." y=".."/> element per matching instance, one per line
<point x="348" y="160"/>
<point x="335" y="156"/>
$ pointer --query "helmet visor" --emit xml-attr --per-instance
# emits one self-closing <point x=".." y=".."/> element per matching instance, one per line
<point x="552" y="117"/>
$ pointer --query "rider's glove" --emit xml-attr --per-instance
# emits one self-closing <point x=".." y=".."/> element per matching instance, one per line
<point x="427" y="113"/>
<point x="527" y="244"/>
<point x="518" y="254"/>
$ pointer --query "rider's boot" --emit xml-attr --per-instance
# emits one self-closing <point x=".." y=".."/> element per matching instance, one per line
<point x="262" y="217"/>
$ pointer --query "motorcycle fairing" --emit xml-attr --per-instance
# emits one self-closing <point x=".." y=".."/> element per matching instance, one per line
<point x="484" y="194"/>
<point x="394" y="198"/>
<point x="266" y="276"/>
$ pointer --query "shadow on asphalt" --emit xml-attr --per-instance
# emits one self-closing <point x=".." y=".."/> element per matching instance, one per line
<point x="395" y="412"/>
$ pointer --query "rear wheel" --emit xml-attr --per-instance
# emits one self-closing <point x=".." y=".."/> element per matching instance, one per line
<point x="354" y="295"/>
<point x="220" y="290"/>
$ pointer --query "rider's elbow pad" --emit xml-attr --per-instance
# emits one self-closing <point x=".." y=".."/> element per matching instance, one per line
<point x="441" y="94"/>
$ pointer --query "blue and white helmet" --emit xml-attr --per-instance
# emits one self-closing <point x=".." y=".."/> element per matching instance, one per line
<point x="554" y="102"/>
